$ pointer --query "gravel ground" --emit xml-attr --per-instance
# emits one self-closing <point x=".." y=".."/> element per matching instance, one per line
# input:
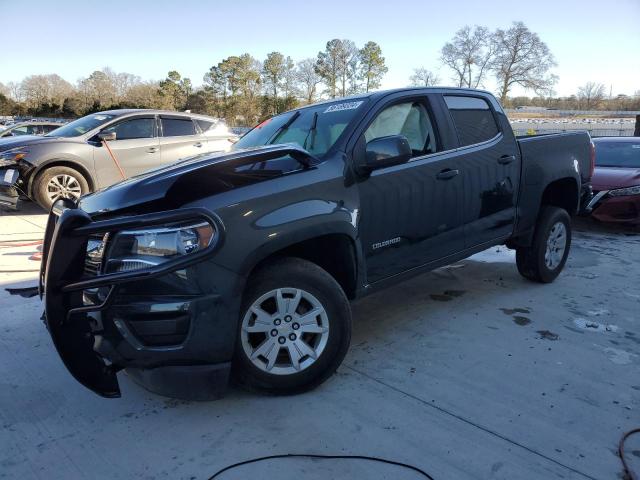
<point x="466" y="372"/>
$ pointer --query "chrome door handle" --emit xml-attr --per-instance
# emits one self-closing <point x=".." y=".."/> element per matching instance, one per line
<point x="506" y="159"/>
<point x="447" y="174"/>
<point x="152" y="149"/>
<point x="199" y="144"/>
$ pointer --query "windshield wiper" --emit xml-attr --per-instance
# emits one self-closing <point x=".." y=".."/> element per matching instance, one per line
<point x="311" y="134"/>
<point x="284" y="126"/>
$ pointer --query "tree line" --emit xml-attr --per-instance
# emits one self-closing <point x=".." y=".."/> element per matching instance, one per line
<point x="245" y="90"/>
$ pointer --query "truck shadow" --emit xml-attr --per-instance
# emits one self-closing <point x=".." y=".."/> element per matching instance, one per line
<point x="588" y="224"/>
<point x="26" y="208"/>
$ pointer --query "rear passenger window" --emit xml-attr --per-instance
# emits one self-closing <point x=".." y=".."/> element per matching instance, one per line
<point x="177" y="127"/>
<point x="204" y="124"/>
<point x="473" y="119"/>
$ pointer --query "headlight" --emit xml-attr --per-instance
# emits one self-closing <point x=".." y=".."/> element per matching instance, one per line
<point x="625" y="191"/>
<point x="10" y="157"/>
<point x="139" y="249"/>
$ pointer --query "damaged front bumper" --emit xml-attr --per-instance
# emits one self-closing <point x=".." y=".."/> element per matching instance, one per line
<point x="9" y="194"/>
<point x="167" y="325"/>
<point x="622" y="209"/>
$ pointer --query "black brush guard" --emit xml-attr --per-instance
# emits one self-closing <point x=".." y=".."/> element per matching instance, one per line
<point x="62" y="283"/>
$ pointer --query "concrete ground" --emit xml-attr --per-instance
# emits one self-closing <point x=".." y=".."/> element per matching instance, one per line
<point x="466" y="372"/>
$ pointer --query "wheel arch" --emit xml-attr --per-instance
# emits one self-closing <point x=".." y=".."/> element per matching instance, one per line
<point x="336" y="252"/>
<point x="563" y="193"/>
<point x="60" y="163"/>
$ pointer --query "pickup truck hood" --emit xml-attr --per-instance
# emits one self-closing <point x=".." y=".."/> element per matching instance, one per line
<point x="27" y="140"/>
<point x="607" y="178"/>
<point x="190" y="179"/>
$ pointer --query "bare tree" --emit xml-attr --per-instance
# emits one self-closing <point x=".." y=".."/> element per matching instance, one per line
<point x="423" y="78"/>
<point x="590" y="95"/>
<point x="98" y="88"/>
<point x="122" y="83"/>
<point x="40" y="90"/>
<point x="14" y="91"/>
<point x="308" y="79"/>
<point x="59" y="89"/>
<point x="469" y="54"/>
<point x="4" y="90"/>
<point x="521" y="58"/>
<point x="144" y="94"/>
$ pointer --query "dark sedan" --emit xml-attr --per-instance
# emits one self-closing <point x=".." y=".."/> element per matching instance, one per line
<point x="616" y="180"/>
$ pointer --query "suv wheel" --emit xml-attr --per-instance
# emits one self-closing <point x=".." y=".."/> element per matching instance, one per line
<point x="545" y="258"/>
<point x="59" y="182"/>
<point x="295" y="328"/>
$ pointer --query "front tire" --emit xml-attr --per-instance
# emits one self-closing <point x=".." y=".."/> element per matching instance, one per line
<point x="545" y="258"/>
<point x="59" y="182"/>
<point x="294" y="328"/>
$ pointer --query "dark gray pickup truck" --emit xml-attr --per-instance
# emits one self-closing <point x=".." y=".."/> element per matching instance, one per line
<point x="243" y="263"/>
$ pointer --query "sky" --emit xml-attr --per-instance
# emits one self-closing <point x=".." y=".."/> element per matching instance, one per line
<point x="591" y="40"/>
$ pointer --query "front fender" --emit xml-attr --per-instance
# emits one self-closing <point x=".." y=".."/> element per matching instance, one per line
<point x="62" y="158"/>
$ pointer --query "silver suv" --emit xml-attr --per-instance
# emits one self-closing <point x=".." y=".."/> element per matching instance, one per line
<point x="101" y="149"/>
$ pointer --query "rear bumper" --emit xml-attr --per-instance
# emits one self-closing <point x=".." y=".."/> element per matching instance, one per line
<point x="171" y="328"/>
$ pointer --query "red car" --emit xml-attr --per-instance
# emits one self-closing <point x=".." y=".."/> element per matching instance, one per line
<point x="616" y="180"/>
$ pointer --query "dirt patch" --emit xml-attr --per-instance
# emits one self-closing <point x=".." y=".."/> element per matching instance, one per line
<point x="518" y="319"/>
<point x="447" y="296"/>
<point x="522" y="321"/>
<point x="547" y="335"/>
<point x="511" y="311"/>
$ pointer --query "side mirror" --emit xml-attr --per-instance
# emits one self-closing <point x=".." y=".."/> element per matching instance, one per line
<point x="107" y="136"/>
<point x="387" y="151"/>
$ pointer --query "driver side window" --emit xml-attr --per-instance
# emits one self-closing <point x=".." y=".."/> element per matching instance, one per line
<point x="134" y="128"/>
<point x="410" y="119"/>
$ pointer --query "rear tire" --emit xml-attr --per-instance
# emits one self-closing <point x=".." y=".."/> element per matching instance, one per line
<point x="294" y="328"/>
<point x="58" y="182"/>
<point x="545" y="258"/>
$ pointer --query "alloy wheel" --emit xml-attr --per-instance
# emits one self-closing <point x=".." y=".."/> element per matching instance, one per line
<point x="63" y="186"/>
<point x="284" y="331"/>
<point x="556" y="245"/>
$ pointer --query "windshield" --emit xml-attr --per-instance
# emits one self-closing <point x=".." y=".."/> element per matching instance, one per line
<point x="80" y="126"/>
<point x="315" y="129"/>
<point x="618" y="154"/>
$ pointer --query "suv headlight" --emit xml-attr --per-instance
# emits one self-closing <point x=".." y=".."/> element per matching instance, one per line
<point x="635" y="190"/>
<point x="10" y="157"/>
<point x="138" y="249"/>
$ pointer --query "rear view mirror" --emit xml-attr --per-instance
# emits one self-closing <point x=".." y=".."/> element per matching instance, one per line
<point x="107" y="136"/>
<point x="387" y="151"/>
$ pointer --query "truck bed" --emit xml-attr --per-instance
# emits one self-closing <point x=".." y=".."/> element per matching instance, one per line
<point x="547" y="153"/>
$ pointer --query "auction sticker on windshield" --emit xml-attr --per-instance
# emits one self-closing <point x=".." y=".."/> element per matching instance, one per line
<point x="343" y="106"/>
